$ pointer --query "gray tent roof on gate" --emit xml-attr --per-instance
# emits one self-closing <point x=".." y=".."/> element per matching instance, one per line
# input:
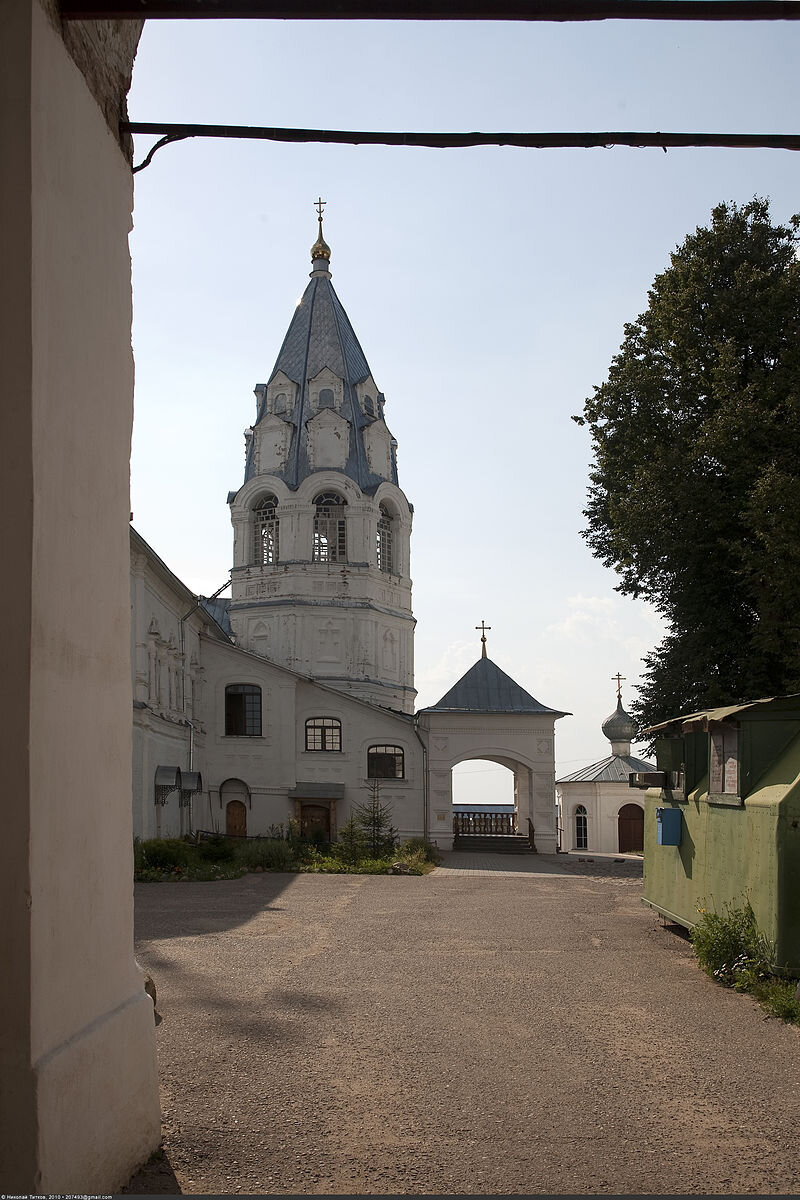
<point x="487" y="689"/>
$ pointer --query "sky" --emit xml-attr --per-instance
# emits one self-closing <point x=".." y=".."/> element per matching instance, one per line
<point x="489" y="289"/>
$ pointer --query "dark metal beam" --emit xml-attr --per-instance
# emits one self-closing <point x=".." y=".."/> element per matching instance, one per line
<point x="439" y="10"/>
<point x="441" y="141"/>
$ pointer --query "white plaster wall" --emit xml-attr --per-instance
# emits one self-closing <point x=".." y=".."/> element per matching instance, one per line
<point x="526" y="744"/>
<point x="161" y="731"/>
<point x="78" y="1031"/>
<point x="602" y="802"/>
<point x="347" y="624"/>
<point x="271" y="765"/>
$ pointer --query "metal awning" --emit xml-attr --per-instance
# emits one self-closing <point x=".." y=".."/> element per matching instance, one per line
<point x="705" y="717"/>
<point x="168" y="777"/>
<point x="168" y="780"/>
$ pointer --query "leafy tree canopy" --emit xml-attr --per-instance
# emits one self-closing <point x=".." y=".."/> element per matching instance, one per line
<point x="694" y="494"/>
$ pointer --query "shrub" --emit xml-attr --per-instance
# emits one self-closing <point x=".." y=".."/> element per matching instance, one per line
<point x="161" y="854"/>
<point x="730" y="947"/>
<point x="269" y="853"/>
<point x="418" y="847"/>
<point x="217" y="849"/>
<point x="352" y="843"/>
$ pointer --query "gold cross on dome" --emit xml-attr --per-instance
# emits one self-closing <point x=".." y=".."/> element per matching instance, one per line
<point x="618" y="679"/>
<point x="319" y="205"/>
<point x="483" y="627"/>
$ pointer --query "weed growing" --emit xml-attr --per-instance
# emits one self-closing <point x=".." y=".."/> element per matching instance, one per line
<point x="737" y="954"/>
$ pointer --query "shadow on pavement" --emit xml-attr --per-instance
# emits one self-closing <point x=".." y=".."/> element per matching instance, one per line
<point x="204" y="907"/>
<point x="155" y="1178"/>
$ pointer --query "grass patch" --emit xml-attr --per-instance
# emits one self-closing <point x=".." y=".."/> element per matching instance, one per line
<point x="737" y="954"/>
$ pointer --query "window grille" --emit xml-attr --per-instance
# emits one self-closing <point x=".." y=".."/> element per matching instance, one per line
<point x="384" y="541"/>
<point x="323" y="733"/>
<point x="242" y="710"/>
<point x="581" y="828"/>
<point x="330" y="537"/>
<point x="266" y="531"/>
<point x="385" y="762"/>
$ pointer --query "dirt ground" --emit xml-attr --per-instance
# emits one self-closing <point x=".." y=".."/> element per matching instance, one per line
<point x="521" y="1026"/>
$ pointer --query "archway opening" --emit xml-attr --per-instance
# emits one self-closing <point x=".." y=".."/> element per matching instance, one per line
<point x="483" y="789"/>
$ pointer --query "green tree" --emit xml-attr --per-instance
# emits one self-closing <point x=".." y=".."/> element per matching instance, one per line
<point x="694" y="494"/>
<point x="375" y="818"/>
<point x="351" y="844"/>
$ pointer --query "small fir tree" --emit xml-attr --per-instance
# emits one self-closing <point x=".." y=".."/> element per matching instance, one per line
<point x="351" y="844"/>
<point x="375" y="819"/>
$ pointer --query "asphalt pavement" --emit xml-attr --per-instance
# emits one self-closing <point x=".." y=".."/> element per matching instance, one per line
<point x="502" y="1028"/>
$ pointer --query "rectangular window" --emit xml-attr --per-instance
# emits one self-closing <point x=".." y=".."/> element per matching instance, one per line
<point x="723" y="774"/>
<point x="385" y="762"/>
<point x="242" y="710"/>
<point x="323" y="733"/>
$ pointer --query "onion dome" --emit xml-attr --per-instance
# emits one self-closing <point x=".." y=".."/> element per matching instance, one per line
<point x="619" y="727"/>
<point x="320" y="249"/>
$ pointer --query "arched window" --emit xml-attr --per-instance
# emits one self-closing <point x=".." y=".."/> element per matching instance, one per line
<point x="266" y="531"/>
<point x="330" y="537"/>
<point x="242" y="710"/>
<point x="581" y="828"/>
<point x="323" y="733"/>
<point x="385" y="762"/>
<point x="384" y="541"/>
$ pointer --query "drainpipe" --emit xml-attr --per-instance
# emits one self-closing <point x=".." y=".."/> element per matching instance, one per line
<point x="183" y="621"/>
<point x="425" y="804"/>
<point x="191" y="724"/>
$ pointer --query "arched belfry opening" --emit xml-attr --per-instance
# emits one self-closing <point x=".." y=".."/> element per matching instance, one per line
<point x="488" y="716"/>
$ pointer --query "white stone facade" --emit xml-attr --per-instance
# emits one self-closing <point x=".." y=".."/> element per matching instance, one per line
<point x="271" y="771"/>
<point x="524" y="743"/>
<point x="348" y="623"/>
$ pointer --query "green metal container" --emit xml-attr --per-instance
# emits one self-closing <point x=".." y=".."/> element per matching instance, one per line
<point x="734" y="774"/>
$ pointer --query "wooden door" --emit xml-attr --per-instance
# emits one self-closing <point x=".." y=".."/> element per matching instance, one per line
<point x="631" y="828"/>
<point x="235" y="819"/>
<point x="315" y="821"/>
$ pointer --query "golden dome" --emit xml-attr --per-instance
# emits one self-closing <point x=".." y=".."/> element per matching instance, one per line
<point x="320" y="249"/>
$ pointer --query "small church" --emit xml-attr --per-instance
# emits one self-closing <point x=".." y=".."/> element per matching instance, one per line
<point x="294" y="699"/>
<point x="597" y="809"/>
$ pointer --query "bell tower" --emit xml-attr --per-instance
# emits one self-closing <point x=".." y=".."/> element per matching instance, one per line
<point x="321" y="576"/>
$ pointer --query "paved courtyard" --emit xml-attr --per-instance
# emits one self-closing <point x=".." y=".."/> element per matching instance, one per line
<point x="502" y="1026"/>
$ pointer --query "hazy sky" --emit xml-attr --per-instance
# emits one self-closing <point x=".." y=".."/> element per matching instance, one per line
<point x="488" y="287"/>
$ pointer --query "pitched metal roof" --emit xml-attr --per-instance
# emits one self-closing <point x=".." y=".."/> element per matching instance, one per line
<point x="614" y="769"/>
<point x="790" y="703"/>
<point x="486" y="689"/>
<point x="219" y="608"/>
<point x="320" y="335"/>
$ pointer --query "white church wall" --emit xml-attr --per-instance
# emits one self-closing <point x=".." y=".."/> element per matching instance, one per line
<point x="79" y="1105"/>
<point x="272" y="764"/>
<point x="350" y="623"/>
<point x="165" y="658"/>
<point x="602" y="802"/>
<point x="524" y="743"/>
